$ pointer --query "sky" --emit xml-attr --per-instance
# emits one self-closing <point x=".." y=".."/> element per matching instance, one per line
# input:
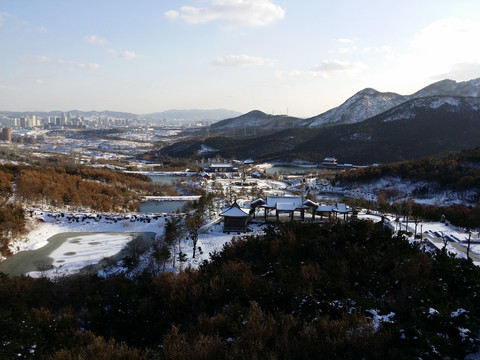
<point x="299" y="58"/>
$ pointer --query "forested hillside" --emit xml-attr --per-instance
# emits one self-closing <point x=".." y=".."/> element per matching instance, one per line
<point x="458" y="170"/>
<point x="302" y="291"/>
<point x="427" y="127"/>
<point x="457" y="173"/>
<point x="59" y="188"/>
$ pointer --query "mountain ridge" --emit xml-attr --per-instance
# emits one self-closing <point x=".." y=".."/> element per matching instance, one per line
<point x="363" y="105"/>
<point x="421" y="127"/>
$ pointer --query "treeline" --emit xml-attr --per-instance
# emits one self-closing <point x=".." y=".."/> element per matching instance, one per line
<point x="59" y="187"/>
<point x="75" y="188"/>
<point x="99" y="190"/>
<point x="460" y="171"/>
<point x="12" y="215"/>
<point x="301" y="291"/>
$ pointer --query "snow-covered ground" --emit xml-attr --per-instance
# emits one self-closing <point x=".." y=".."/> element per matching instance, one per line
<point x="101" y="236"/>
<point x="402" y="189"/>
<point x="439" y="235"/>
<point x="98" y="236"/>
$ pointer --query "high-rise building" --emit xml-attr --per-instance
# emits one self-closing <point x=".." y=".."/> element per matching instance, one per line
<point x="7" y="134"/>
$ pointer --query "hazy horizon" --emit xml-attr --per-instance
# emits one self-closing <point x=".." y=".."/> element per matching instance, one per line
<point x="301" y="58"/>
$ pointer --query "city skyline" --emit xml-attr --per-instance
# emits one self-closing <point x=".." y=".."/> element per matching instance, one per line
<point x="300" y="58"/>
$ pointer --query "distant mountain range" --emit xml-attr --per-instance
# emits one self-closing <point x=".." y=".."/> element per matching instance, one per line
<point x="369" y="102"/>
<point x="369" y="127"/>
<point x="174" y="115"/>
<point x="192" y="115"/>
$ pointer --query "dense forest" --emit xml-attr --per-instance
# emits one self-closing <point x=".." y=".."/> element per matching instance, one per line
<point x="301" y="291"/>
<point x="458" y="172"/>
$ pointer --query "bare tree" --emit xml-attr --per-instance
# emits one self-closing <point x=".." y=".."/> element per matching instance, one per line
<point x="469" y="242"/>
<point x="444" y="238"/>
<point x="193" y="222"/>
<point x="173" y="234"/>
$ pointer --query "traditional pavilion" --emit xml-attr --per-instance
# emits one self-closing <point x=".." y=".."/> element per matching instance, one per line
<point x="292" y="204"/>
<point x="235" y="218"/>
<point x="284" y="204"/>
<point x="341" y="209"/>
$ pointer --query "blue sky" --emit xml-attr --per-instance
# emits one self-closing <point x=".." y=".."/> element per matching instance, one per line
<point x="302" y="57"/>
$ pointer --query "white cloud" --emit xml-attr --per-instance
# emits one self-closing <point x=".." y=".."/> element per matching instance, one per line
<point x="461" y="72"/>
<point x="129" y="55"/>
<point x="49" y="60"/>
<point x="445" y="45"/>
<point x="235" y="13"/>
<point x="347" y="46"/>
<point x="95" y="39"/>
<point x="82" y="66"/>
<point x="242" y="60"/>
<point x="329" y="67"/>
<point x="172" y="14"/>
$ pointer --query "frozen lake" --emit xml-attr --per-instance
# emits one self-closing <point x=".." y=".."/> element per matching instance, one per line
<point x="293" y="170"/>
<point x="162" y="206"/>
<point x="70" y="251"/>
<point x="167" y="179"/>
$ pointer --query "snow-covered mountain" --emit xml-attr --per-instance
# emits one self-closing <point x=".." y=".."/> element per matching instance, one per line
<point x="449" y="104"/>
<point x="361" y="106"/>
<point x="364" y="105"/>
<point x="450" y="88"/>
<point x="368" y="103"/>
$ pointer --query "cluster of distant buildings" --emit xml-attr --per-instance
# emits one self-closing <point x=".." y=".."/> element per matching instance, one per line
<point x="32" y="121"/>
<point x="23" y="138"/>
<point x="61" y="121"/>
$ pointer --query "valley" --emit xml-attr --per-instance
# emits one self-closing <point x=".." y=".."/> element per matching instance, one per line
<point x="388" y="201"/>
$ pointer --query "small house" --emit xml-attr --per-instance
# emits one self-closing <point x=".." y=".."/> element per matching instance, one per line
<point x="329" y="162"/>
<point x="234" y="218"/>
